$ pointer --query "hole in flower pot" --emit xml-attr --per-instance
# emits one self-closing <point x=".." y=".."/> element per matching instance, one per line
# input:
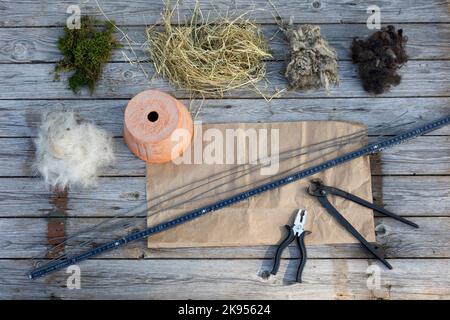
<point x="153" y="116"/>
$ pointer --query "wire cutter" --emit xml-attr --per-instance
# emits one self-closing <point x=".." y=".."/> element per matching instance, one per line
<point x="319" y="190"/>
<point x="296" y="231"/>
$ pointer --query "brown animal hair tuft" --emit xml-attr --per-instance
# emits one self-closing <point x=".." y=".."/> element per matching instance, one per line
<point x="379" y="57"/>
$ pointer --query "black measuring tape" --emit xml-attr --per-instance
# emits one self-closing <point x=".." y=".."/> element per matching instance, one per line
<point x="138" y="235"/>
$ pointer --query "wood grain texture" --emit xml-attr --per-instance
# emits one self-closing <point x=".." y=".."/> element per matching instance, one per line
<point x="144" y="12"/>
<point x="122" y="80"/>
<point x="412" y="180"/>
<point x="229" y="279"/>
<point x="395" y="239"/>
<point x="21" y="118"/>
<point x="27" y="197"/>
<point x="429" y="155"/>
<point x="25" y="45"/>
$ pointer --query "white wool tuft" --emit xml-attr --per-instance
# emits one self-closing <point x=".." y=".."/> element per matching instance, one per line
<point x="70" y="151"/>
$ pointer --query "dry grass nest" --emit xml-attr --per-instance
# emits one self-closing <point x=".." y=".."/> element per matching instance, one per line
<point x="209" y="57"/>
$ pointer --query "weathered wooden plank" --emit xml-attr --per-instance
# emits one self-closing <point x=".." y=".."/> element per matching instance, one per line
<point x="154" y="278"/>
<point x="122" y="80"/>
<point x="53" y="12"/>
<point x="24" y="238"/>
<point x="19" y="45"/>
<point x="424" y="155"/>
<point x="113" y="196"/>
<point x="17" y="156"/>
<point x="233" y="279"/>
<point x="420" y="194"/>
<point x="22" y="117"/>
<point x="27" y="197"/>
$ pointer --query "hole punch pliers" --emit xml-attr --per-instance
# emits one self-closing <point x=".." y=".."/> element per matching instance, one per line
<point x="296" y="231"/>
<point x="319" y="190"/>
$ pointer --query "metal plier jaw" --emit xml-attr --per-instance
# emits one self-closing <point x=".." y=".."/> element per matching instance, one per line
<point x="299" y="222"/>
<point x="318" y="189"/>
<point x="296" y="231"/>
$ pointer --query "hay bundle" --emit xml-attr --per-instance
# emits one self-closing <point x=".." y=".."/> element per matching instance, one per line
<point x="210" y="57"/>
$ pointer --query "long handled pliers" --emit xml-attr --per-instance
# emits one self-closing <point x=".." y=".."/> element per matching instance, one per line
<point x="296" y="231"/>
<point x="319" y="190"/>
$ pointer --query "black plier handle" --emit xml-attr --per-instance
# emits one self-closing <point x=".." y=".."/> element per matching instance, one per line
<point x="298" y="232"/>
<point x="319" y="190"/>
<point x="324" y="190"/>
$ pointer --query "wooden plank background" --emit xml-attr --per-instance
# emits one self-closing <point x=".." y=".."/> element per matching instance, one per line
<point x="412" y="180"/>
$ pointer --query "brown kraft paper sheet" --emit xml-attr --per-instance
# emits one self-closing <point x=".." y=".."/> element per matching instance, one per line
<point x="260" y="220"/>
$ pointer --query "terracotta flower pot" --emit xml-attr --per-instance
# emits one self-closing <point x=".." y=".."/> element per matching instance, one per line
<point x="157" y="127"/>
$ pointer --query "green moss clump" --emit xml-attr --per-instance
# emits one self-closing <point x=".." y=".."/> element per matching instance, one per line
<point x="85" y="51"/>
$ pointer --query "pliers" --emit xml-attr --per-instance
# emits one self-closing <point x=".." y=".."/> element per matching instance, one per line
<point x="319" y="190"/>
<point x="296" y="231"/>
